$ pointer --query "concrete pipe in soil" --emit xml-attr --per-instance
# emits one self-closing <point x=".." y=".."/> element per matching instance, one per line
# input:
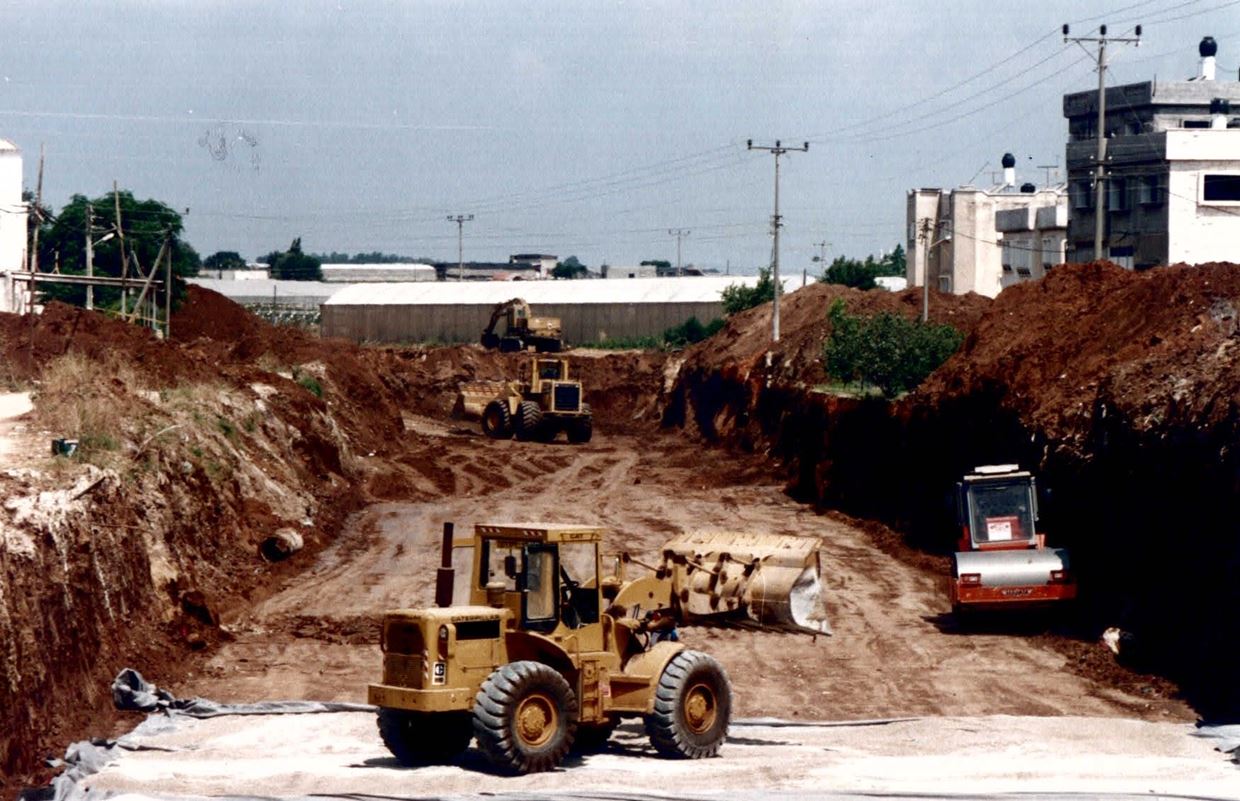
<point x="281" y="545"/>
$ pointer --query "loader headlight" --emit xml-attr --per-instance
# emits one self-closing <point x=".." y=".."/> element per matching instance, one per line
<point x="971" y="579"/>
<point x="1060" y="577"/>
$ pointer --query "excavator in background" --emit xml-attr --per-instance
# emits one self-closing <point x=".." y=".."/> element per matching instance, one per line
<point x="1002" y="561"/>
<point x="557" y="644"/>
<point x="522" y="329"/>
<point x="545" y="401"/>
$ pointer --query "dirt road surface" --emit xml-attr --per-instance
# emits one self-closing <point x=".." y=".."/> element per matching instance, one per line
<point x="891" y="654"/>
<point x="340" y="755"/>
<point x="15" y="440"/>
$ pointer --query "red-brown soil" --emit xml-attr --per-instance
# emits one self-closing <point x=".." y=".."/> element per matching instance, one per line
<point x="1120" y="389"/>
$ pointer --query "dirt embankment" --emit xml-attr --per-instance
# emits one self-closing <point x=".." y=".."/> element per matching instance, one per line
<point x="191" y="454"/>
<point x="1121" y="390"/>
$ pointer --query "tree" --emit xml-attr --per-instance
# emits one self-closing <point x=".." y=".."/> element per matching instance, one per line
<point x="886" y="350"/>
<point x="862" y="274"/>
<point x="738" y="297"/>
<point x="223" y="260"/>
<point x="146" y="224"/>
<point x="850" y="272"/>
<point x="294" y="265"/>
<point x="690" y="332"/>
<point x="569" y="268"/>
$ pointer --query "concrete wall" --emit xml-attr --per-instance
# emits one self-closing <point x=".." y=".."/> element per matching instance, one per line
<point x="12" y="209"/>
<point x="582" y="322"/>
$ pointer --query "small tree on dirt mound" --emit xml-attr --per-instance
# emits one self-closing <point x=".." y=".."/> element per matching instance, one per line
<point x="739" y="297"/>
<point x="294" y="265"/>
<point x="887" y="350"/>
<point x="690" y="332"/>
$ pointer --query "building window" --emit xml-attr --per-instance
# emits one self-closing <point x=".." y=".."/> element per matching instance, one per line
<point x="1220" y="188"/>
<point x="1195" y="124"/>
<point x="1082" y="195"/>
<point x="1006" y="258"/>
<point x="945" y="284"/>
<point x="1149" y="190"/>
<point x="1122" y="256"/>
<point x="1117" y="195"/>
<point x="1050" y="252"/>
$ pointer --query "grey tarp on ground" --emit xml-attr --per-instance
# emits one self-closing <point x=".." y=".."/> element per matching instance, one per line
<point x="1227" y="737"/>
<point x="130" y="691"/>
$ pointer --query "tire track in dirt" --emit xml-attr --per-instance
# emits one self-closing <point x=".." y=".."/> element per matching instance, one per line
<point x="891" y="655"/>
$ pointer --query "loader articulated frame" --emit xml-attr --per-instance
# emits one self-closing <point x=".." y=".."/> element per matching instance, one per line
<point x="550" y="653"/>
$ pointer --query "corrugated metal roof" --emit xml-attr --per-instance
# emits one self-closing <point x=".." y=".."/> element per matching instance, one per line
<point x="264" y="289"/>
<point x="705" y="289"/>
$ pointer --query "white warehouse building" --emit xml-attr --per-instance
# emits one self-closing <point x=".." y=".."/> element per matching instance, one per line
<point x="12" y="220"/>
<point x="590" y="311"/>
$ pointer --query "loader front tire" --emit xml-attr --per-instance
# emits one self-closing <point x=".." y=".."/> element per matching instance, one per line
<point x="425" y="738"/>
<point x="525" y="717"/>
<point x="496" y="422"/>
<point x="529" y="420"/>
<point x="692" y="707"/>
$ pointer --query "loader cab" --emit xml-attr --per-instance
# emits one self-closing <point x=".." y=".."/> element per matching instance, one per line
<point x="546" y="576"/>
<point x="996" y="508"/>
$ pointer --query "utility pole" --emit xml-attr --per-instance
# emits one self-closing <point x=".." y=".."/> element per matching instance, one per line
<point x="679" y="233"/>
<point x="925" y="235"/>
<point x="822" y="254"/>
<point x="90" y="258"/>
<point x="38" y="216"/>
<point x="1100" y="211"/>
<point x="120" y="235"/>
<point x="776" y="223"/>
<point x="460" y="221"/>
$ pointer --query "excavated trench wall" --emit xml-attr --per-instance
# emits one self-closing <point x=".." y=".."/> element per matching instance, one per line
<point x="1149" y="516"/>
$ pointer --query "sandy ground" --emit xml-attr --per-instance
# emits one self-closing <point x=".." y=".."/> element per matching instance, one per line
<point x="892" y="654"/>
<point x="982" y="712"/>
<point x="15" y="441"/>
<point x="340" y="754"/>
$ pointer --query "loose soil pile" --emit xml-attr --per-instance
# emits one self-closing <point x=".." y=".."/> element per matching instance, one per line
<point x="1120" y="389"/>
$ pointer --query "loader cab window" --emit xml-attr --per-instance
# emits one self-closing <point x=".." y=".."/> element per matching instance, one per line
<point x="1001" y="512"/>
<point x="501" y="561"/>
<point x="549" y="371"/>
<point x="579" y="593"/>
<point x="539" y="604"/>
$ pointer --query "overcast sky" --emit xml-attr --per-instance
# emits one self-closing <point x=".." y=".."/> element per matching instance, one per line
<point x="566" y="127"/>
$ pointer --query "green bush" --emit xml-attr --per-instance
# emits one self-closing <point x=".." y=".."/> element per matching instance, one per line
<point x="690" y="332"/>
<point x="886" y="350"/>
<point x="739" y="297"/>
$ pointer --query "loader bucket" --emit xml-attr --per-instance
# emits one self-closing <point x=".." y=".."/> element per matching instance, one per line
<point x="769" y="581"/>
<point x="473" y="396"/>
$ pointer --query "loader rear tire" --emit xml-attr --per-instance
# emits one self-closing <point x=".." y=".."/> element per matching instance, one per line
<point x="496" y="422"/>
<point x="525" y="717"/>
<point x="692" y="707"/>
<point x="529" y="420"/>
<point x="581" y="429"/>
<point x="425" y="738"/>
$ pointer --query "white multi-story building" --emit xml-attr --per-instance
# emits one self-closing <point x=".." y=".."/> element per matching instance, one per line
<point x="12" y="219"/>
<point x="981" y="240"/>
<point x="1172" y="191"/>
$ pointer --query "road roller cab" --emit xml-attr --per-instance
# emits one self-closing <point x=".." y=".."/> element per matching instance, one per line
<point x="1002" y="561"/>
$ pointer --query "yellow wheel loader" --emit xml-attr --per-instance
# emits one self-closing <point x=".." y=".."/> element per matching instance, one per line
<point x="546" y="401"/>
<point x="522" y="329"/>
<point x="551" y="651"/>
